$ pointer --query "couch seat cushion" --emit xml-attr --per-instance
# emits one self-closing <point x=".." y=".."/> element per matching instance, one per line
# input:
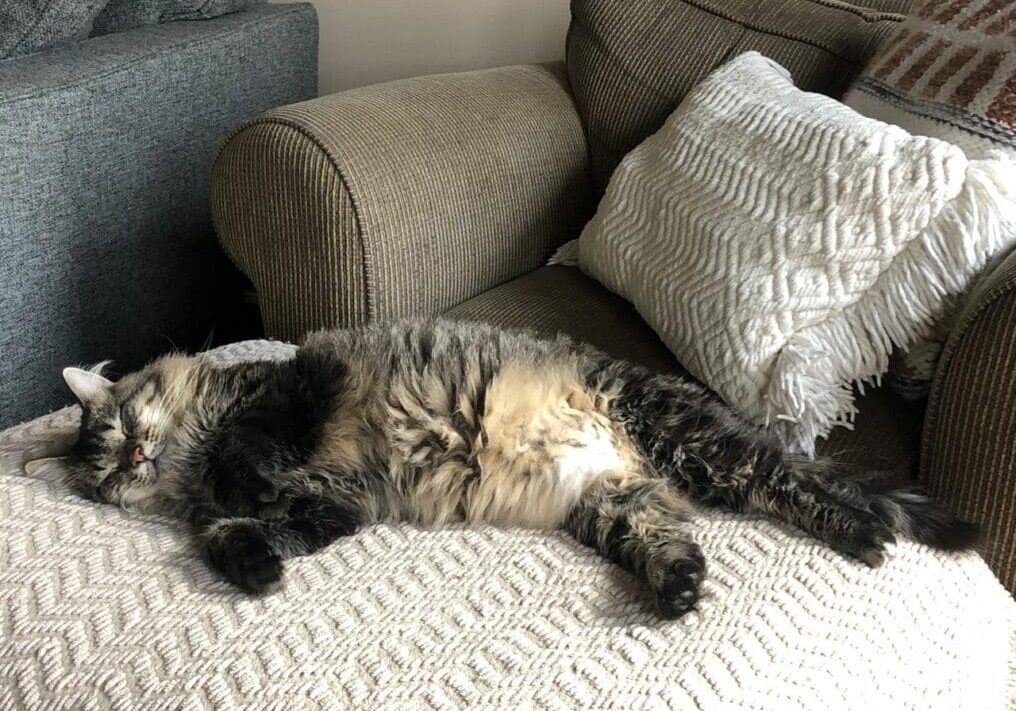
<point x="100" y="609"/>
<point x="558" y="299"/>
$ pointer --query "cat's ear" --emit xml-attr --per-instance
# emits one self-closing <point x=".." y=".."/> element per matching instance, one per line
<point x="88" y="386"/>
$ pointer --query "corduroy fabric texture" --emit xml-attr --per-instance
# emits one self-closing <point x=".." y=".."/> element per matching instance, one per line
<point x="630" y="62"/>
<point x="401" y="198"/>
<point x="560" y="299"/>
<point x="968" y="453"/>
<point x="106" y="246"/>
<point x="554" y="300"/>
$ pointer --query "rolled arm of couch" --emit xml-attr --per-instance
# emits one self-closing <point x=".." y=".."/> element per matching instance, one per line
<point x="968" y="453"/>
<point x="401" y="198"/>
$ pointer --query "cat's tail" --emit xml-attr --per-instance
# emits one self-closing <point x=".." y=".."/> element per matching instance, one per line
<point x="904" y="508"/>
<point x="910" y="512"/>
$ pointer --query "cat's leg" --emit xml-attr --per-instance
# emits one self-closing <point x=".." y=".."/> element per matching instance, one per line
<point x="642" y="525"/>
<point x="688" y="434"/>
<point x="316" y="507"/>
<point x="245" y="469"/>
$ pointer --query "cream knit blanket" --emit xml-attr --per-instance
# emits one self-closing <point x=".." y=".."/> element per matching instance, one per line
<point x="103" y="610"/>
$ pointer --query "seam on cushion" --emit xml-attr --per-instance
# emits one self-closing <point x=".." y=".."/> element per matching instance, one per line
<point x="203" y="7"/>
<point x="34" y="33"/>
<point x="274" y="18"/>
<point x="197" y="13"/>
<point x="598" y="44"/>
<point x="580" y="111"/>
<point x="866" y="14"/>
<point x="956" y="338"/>
<point x="368" y="257"/>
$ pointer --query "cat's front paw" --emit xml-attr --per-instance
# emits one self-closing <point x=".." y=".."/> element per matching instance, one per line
<point x="241" y="552"/>
<point x="677" y="585"/>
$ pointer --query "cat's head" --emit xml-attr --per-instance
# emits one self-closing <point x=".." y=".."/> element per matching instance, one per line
<point x="126" y="427"/>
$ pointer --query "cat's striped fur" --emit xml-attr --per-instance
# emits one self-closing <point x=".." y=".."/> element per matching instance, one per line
<point x="434" y="422"/>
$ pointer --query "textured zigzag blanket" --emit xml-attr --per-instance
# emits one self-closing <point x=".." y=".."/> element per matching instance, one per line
<point x="102" y="610"/>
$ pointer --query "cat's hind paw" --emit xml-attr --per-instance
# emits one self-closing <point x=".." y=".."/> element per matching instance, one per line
<point x="242" y="553"/>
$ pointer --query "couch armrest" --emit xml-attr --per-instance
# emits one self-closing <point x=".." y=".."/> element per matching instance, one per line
<point x="401" y="198"/>
<point x="968" y="452"/>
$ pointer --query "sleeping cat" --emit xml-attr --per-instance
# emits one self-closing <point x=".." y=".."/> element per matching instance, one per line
<point x="432" y="422"/>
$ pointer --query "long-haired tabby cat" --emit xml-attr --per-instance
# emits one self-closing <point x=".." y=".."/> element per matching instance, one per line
<point x="435" y="421"/>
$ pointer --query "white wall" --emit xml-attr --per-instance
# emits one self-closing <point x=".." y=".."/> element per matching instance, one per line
<point x="367" y="41"/>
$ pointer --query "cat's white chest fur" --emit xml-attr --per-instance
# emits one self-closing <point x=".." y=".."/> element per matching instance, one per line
<point x="583" y="458"/>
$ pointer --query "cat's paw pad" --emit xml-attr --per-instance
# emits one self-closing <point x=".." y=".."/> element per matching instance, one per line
<point x="678" y="588"/>
<point x="242" y="554"/>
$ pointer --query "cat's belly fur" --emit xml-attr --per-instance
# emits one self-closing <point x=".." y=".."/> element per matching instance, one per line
<point x="540" y="444"/>
<point x="520" y="454"/>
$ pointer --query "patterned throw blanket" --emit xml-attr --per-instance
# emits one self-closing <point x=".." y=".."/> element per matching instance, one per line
<point x="99" y="609"/>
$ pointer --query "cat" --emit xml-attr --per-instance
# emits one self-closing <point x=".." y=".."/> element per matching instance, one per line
<point x="433" y="421"/>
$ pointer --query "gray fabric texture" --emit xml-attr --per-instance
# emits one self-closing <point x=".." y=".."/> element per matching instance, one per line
<point x="106" y="242"/>
<point x="122" y="15"/>
<point x="402" y="198"/>
<point x="630" y="62"/>
<point x="33" y="25"/>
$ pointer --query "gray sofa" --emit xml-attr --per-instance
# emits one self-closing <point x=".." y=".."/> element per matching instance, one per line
<point x="106" y="241"/>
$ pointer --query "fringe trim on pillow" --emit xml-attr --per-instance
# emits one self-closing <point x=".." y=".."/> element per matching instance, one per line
<point x="567" y="255"/>
<point x="902" y="306"/>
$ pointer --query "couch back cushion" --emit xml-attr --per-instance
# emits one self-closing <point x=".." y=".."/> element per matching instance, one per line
<point x="630" y="62"/>
<point x="124" y="15"/>
<point x="28" y="26"/>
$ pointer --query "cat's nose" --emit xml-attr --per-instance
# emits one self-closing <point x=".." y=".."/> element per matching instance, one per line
<point x="137" y="456"/>
<point x="132" y="456"/>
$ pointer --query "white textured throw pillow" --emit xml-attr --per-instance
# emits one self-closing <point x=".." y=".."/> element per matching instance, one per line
<point x="781" y="244"/>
